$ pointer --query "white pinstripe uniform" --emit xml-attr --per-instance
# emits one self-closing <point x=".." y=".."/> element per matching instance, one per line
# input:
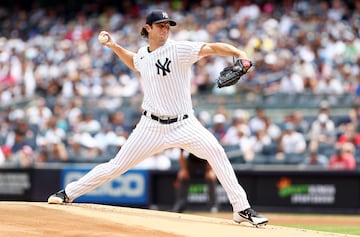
<point x="165" y="75"/>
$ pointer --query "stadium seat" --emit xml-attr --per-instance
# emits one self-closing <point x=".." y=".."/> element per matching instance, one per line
<point x="294" y="158"/>
<point x="273" y="160"/>
<point x="270" y="149"/>
<point x="260" y="159"/>
<point x="308" y="100"/>
<point x="326" y="149"/>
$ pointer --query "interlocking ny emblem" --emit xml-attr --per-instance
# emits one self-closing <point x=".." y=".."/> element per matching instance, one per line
<point x="165" y="15"/>
<point x="164" y="67"/>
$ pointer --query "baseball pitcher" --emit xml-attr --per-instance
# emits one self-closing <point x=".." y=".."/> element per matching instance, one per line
<point x="168" y="118"/>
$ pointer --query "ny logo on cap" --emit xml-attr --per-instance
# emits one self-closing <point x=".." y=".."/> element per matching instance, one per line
<point x="165" y="15"/>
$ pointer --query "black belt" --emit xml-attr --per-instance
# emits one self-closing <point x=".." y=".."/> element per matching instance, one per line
<point x="166" y="120"/>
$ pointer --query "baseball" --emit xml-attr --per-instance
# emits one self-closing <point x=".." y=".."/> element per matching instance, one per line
<point x="103" y="39"/>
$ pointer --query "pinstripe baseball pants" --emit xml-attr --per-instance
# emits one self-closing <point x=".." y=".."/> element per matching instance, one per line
<point x="150" y="137"/>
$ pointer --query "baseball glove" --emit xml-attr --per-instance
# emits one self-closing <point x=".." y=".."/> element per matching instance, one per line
<point x="232" y="74"/>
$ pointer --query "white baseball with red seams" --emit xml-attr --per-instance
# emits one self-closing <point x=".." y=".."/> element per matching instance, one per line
<point x="103" y="38"/>
<point x="166" y="74"/>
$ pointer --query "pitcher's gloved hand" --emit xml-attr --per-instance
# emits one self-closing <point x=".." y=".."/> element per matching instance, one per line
<point x="232" y="74"/>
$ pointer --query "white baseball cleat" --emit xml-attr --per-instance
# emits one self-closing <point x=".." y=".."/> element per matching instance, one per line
<point x="59" y="198"/>
<point x="250" y="216"/>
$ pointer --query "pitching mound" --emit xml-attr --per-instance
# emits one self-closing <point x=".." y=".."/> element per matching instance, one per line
<point x="19" y="219"/>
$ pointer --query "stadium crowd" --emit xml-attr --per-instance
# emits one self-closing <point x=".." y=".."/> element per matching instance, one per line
<point x="51" y="59"/>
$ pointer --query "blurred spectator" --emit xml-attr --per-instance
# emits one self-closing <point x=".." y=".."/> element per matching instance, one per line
<point x="322" y="130"/>
<point x="219" y="126"/>
<point x="41" y="158"/>
<point x="244" y="142"/>
<point x="353" y="117"/>
<point x="344" y="158"/>
<point x="24" y="158"/>
<point x="76" y="151"/>
<point x="337" y="10"/>
<point x="205" y="118"/>
<point x="60" y="114"/>
<point x="20" y="136"/>
<point x="301" y="125"/>
<point x="108" y="138"/>
<point x="5" y="156"/>
<point x="349" y="135"/>
<point x="258" y="141"/>
<point x="314" y="159"/>
<point x="37" y="113"/>
<point x="324" y="108"/>
<point x="90" y="85"/>
<point x="54" y="150"/>
<point x="89" y="124"/>
<point x="83" y="147"/>
<point x="329" y="86"/>
<point x="158" y="161"/>
<point x="357" y="87"/>
<point x="291" y="83"/>
<point x="117" y="123"/>
<point x="172" y="153"/>
<point x="240" y="117"/>
<point x="291" y="142"/>
<point x="202" y="82"/>
<point x="73" y="113"/>
<point x="51" y="132"/>
<point x="257" y="121"/>
<point x="127" y="86"/>
<point x="307" y="74"/>
<point x="272" y="129"/>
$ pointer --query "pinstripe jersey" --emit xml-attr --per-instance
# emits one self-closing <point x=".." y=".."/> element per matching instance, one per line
<point x="166" y="75"/>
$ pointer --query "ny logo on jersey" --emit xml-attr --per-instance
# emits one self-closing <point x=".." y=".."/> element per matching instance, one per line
<point x="164" y="67"/>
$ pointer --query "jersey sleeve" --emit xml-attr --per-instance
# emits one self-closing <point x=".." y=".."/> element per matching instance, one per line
<point x="188" y="52"/>
<point x="137" y="56"/>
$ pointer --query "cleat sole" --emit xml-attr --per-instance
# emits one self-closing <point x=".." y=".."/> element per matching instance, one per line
<point x="55" y="200"/>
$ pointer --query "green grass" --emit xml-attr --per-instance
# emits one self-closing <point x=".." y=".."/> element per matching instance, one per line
<point x="350" y="230"/>
<point x="345" y="224"/>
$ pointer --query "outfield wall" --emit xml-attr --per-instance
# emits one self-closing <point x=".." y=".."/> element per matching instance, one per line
<point x="278" y="190"/>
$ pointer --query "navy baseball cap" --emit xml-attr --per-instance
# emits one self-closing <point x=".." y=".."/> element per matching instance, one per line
<point x="157" y="16"/>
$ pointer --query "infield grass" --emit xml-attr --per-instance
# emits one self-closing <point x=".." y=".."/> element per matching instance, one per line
<point x="349" y="230"/>
<point x="332" y="223"/>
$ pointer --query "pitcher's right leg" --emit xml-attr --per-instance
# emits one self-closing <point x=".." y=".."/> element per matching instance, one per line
<point x="143" y="142"/>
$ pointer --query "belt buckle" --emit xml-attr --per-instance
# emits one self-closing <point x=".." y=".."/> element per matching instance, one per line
<point x="164" y="120"/>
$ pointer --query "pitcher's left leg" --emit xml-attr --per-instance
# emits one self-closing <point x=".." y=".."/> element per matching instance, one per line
<point x="192" y="136"/>
<point x="208" y="148"/>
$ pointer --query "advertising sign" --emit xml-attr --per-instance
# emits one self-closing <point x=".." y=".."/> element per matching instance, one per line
<point x="307" y="191"/>
<point x="15" y="184"/>
<point x="128" y="188"/>
<point x="199" y="193"/>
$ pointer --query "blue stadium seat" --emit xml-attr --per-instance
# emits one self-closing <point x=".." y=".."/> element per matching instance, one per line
<point x="270" y="149"/>
<point x="294" y="158"/>
<point x="260" y="159"/>
<point x="326" y="149"/>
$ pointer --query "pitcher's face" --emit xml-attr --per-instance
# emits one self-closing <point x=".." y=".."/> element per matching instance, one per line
<point x="159" y="32"/>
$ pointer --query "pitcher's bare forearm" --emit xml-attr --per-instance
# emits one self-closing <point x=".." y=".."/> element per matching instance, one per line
<point x="221" y="49"/>
<point x="106" y="39"/>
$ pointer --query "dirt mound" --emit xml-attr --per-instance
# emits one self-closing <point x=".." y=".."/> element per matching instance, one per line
<point x="41" y="219"/>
